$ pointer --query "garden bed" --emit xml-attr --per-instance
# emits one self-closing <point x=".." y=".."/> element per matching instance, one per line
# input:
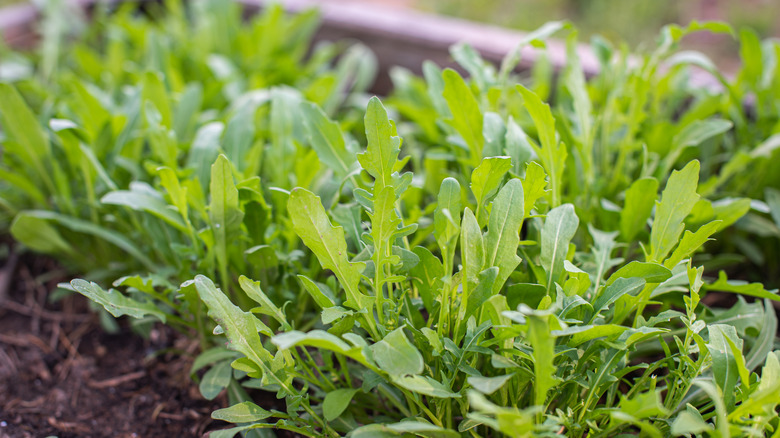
<point x="62" y="375"/>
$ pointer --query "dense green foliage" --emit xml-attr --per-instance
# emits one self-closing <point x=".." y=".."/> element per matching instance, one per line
<point x="492" y="262"/>
<point x="140" y="110"/>
<point x="636" y="121"/>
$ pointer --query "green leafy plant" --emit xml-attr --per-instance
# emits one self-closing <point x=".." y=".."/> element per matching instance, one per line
<point x="516" y="265"/>
<point x="607" y="141"/>
<point x="121" y="146"/>
<point x="431" y="341"/>
<point x="160" y="165"/>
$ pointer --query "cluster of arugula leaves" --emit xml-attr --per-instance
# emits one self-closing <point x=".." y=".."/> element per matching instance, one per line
<point x="511" y="267"/>
<point x="636" y="121"/>
<point x="125" y="177"/>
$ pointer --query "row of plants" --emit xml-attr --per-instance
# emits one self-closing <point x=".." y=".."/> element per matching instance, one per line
<point x="140" y="109"/>
<point x="636" y="121"/>
<point x="472" y="257"/>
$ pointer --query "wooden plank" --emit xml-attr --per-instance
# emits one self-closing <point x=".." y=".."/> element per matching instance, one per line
<point x="398" y="36"/>
<point x="406" y="38"/>
<point x="17" y="24"/>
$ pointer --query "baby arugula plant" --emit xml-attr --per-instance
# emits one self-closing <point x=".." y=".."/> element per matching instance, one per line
<point x="107" y="159"/>
<point x="460" y="336"/>
<point x="610" y="137"/>
<point x="151" y="167"/>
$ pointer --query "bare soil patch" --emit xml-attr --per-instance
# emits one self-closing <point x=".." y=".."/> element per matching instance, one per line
<point x="62" y="375"/>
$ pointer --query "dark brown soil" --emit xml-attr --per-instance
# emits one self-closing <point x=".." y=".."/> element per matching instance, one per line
<point x="62" y="375"/>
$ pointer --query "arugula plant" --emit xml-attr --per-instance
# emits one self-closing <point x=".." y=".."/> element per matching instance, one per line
<point x="512" y="267"/>
<point x="159" y="165"/>
<point x="604" y="140"/>
<point x="95" y="157"/>
<point x="459" y="335"/>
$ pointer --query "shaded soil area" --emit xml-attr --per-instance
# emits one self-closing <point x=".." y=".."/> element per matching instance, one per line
<point x="62" y="375"/>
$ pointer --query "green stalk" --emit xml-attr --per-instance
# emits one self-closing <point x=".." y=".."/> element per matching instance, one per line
<point x="344" y="370"/>
<point x="405" y="411"/>
<point x="287" y="427"/>
<point x="642" y="300"/>
<point x="594" y="387"/>
<point x="434" y="418"/>
<point x="312" y="377"/>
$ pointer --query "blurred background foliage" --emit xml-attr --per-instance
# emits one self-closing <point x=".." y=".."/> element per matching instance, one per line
<point x="633" y="22"/>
